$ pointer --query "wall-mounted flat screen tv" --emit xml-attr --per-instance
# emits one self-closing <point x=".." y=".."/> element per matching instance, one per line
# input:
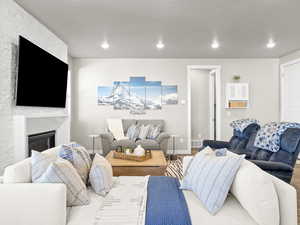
<point x="42" y="78"/>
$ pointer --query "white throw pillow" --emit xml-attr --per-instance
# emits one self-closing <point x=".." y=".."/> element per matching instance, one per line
<point x="101" y="175"/>
<point x="62" y="171"/>
<point x="115" y="126"/>
<point x="255" y="191"/>
<point x="40" y="163"/>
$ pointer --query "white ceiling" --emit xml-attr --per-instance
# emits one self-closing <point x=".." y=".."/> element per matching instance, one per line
<point x="187" y="27"/>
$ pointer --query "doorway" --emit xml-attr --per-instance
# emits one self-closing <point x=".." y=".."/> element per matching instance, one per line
<point x="203" y="104"/>
<point x="290" y="94"/>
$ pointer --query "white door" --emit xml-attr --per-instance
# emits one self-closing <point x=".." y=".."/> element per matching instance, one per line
<point x="290" y="92"/>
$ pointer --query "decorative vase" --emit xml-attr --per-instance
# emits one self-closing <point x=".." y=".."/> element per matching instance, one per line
<point x="139" y="151"/>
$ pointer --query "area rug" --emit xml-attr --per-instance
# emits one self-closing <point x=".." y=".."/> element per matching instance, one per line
<point x="174" y="169"/>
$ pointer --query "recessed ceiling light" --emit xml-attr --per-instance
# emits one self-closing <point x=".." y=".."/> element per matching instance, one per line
<point x="271" y="44"/>
<point x="105" y="45"/>
<point x="160" y="45"/>
<point x="215" y="45"/>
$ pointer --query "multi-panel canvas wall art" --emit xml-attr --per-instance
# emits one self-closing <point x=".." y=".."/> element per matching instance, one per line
<point x="137" y="95"/>
<point x="105" y="96"/>
<point x="169" y="95"/>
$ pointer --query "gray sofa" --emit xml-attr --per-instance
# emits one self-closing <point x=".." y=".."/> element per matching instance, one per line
<point x="160" y="143"/>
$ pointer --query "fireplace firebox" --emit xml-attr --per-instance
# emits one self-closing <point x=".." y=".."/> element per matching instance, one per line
<point x="41" y="141"/>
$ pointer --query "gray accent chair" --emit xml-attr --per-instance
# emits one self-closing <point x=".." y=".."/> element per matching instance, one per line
<point x="160" y="143"/>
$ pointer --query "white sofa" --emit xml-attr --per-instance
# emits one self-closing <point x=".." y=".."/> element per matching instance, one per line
<point x="25" y="203"/>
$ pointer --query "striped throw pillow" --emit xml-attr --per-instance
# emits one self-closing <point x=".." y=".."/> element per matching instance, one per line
<point x="79" y="157"/>
<point x="144" y="131"/>
<point x="210" y="178"/>
<point x="62" y="171"/>
<point x="101" y="175"/>
<point x="154" y="131"/>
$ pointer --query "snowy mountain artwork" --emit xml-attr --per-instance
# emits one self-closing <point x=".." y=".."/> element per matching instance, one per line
<point x="137" y="95"/>
<point x="169" y="95"/>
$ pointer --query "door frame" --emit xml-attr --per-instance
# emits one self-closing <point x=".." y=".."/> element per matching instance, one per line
<point x="282" y="77"/>
<point x="217" y="69"/>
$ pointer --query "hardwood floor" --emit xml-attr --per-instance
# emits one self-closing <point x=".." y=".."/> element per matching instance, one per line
<point x="296" y="183"/>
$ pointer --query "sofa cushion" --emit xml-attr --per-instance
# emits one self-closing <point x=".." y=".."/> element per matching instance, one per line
<point x="62" y="171"/>
<point x="149" y="144"/>
<point x="210" y="178"/>
<point x="283" y="156"/>
<point x="272" y="166"/>
<point x="101" y="175"/>
<point x="290" y="140"/>
<point x="261" y="154"/>
<point x="252" y="188"/>
<point x="79" y="157"/>
<point x="124" y="144"/>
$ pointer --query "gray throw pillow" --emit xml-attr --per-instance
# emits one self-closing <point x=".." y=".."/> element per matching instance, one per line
<point x="210" y="178"/>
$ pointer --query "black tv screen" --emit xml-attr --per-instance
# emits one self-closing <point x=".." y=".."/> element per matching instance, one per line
<point x="42" y="78"/>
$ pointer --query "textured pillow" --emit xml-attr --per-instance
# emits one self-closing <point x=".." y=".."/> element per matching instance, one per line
<point x="210" y="178"/>
<point x="101" y="175"/>
<point x="40" y="163"/>
<point x="144" y="131"/>
<point x="79" y="157"/>
<point x="253" y="187"/>
<point x="154" y="131"/>
<point x="62" y="171"/>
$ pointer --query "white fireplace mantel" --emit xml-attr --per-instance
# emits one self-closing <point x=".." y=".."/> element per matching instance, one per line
<point x="25" y="125"/>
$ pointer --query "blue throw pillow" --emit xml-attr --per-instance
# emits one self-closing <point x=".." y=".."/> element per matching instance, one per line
<point x="211" y="177"/>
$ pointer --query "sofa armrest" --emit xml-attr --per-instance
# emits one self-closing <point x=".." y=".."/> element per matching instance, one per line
<point x="33" y="204"/>
<point x="272" y="166"/>
<point x="107" y="136"/>
<point x="287" y="197"/>
<point x="162" y="136"/>
<point x="107" y="140"/>
<point x="216" y="144"/>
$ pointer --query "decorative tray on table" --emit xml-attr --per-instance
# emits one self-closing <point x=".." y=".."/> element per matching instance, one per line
<point x="123" y="155"/>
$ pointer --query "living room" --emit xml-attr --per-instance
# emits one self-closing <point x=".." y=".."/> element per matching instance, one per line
<point x="128" y="99"/>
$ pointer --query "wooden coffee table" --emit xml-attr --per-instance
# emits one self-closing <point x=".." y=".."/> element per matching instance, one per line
<point x="156" y="166"/>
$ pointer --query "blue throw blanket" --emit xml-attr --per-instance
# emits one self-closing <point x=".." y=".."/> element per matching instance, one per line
<point x="166" y="203"/>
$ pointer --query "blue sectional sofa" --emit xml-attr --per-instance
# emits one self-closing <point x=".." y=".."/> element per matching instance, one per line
<point x="280" y="164"/>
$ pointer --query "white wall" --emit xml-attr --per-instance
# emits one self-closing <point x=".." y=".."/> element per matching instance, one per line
<point x="200" y="103"/>
<point x="88" y="117"/>
<point x="14" y="22"/>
